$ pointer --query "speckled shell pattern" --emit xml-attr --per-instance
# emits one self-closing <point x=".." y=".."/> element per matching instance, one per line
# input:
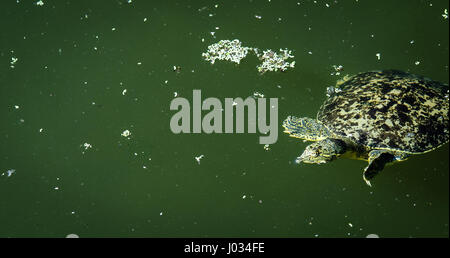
<point x="390" y="110"/>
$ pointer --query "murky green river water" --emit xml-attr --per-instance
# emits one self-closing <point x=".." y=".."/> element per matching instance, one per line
<point x="64" y="69"/>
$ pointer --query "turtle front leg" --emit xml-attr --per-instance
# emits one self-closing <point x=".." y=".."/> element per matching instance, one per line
<point x="377" y="160"/>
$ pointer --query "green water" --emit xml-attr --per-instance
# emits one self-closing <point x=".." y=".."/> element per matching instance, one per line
<point x="75" y="59"/>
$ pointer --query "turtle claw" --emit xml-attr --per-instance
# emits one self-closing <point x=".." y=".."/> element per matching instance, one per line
<point x="367" y="181"/>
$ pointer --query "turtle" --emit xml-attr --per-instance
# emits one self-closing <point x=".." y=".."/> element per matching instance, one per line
<point x="381" y="117"/>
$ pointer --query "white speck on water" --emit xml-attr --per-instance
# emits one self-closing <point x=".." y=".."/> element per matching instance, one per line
<point x="350" y="225"/>
<point x="72" y="236"/>
<point x="41" y="130"/>
<point x="9" y="172"/>
<point x="16" y="107"/>
<point x="378" y="55"/>
<point x="372" y="236"/>
<point x="445" y="14"/>
<point x="199" y="158"/>
<point x="126" y="133"/>
<point x="244" y="196"/>
<point x="40" y="3"/>
<point x="417" y="63"/>
<point x="56" y="188"/>
<point x="175" y="94"/>
<point x="124" y="92"/>
<point x="13" y="61"/>
<point x="87" y="146"/>
<point x="145" y="19"/>
<point x="113" y="29"/>
<point x="161" y="213"/>
<point x="258" y="17"/>
<point x="257" y="94"/>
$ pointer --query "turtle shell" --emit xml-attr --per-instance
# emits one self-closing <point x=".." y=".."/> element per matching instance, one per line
<point x="390" y="110"/>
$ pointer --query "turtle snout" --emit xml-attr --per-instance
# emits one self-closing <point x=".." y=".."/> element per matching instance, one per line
<point x="308" y="156"/>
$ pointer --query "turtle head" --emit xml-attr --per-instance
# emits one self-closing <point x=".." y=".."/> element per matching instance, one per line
<point x="322" y="151"/>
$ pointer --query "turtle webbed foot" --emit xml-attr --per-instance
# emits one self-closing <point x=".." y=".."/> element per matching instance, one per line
<point x="377" y="160"/>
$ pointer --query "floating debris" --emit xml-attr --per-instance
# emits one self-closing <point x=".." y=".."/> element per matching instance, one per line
<point x="378" y="55"/>
<point x="337" y="70"/>
<point x="273" y="61"/>
<point x="124" y="92"/>
<point x="40" y="3"/>
<point x="126" y="133"/>
<point x="13" y="61"/>
<point x="332" y="90"/>
<point x="267" y="147"/>
<point x="176" y="68"/>
<point x="199" y="158"/>
<point x="372" y="236"/>
<point x="445" y="14"/>
<point x="257" y="94"/>
<point x="226" y="50"/>
<point x="72" y="236"/>
<point x="87" y="146"/>
<point x="9" y="172"/>
<point x="233" y="51"/>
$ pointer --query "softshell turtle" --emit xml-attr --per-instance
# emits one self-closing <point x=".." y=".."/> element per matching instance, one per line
<point x="380" y="116"/>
